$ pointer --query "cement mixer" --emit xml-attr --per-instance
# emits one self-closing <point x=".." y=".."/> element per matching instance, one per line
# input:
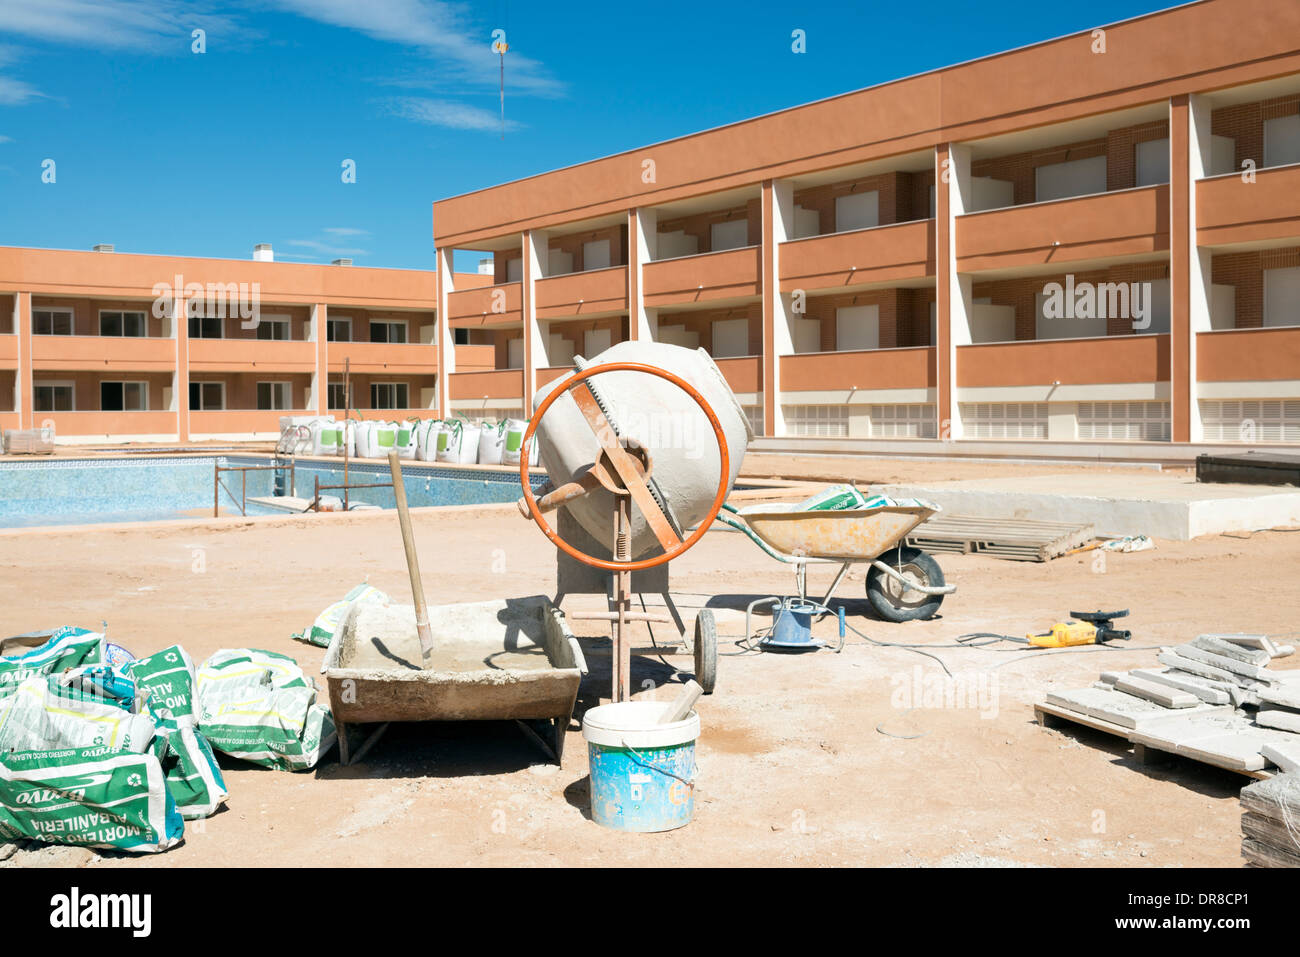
<point x="639" y="444"/>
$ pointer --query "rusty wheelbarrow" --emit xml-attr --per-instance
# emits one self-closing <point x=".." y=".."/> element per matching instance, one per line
<point x="903" y="583"/>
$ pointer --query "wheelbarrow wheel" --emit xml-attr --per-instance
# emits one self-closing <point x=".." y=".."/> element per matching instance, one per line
<point x="893" y="601"/>
<point x="706" y="650"/>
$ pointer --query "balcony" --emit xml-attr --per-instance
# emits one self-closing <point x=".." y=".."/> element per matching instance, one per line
<point x="598" y="292"/>
<point x="251" y="355"/>
<point x="96" y="424"/>
<point x="909" y="368"/>
<point x="9" y="420"/>
<point x="730" y="274"/>
<point x="480" y="358"/>
<point x="1234" y="355"/>
<point x="497" y="384"/>
<point x="239" y="421"/>
<point x="383" y="357"/>
<point x="8" y="351"/>
<point x="1229" y="211"/>
<point x="485" y="307"/>
<point x="551" y="373"/>
<point x="1130" y="222"/>
<point x="743" y="373"/>
<point x="1069" y="362"/>
<point x="881" y="254"/>
<point x="107" y="353"/>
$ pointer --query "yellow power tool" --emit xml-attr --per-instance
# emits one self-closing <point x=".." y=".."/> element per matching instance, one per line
<point x="1091" y="627"/>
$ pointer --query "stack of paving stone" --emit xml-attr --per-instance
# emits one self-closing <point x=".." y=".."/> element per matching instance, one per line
<point x="1216" y="701"/>
<point x="1270" y="822"/>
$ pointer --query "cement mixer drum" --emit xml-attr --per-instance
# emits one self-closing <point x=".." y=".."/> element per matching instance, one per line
<point x="661" y="418"/>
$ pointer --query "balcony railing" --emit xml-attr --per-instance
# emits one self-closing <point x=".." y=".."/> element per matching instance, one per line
<point x="98" y="423"/>
<point x="1095" y="361"/>
<point x="1230" y="210"/>
<point x="497" y="384"/>
<point x="251" y="355"/>
<point x="139" y="354"/>
<point x="1126" y="222"/>
<point x="240" y="421"/>
<point x="485" y="306"/>
<point x="592" y="293"/>
<point x="907" y="368"/>
<point x="1234" y="355"/>
<point x="729" y="274"/>
<point x="880" y="254"/>
<point x="743" y="373"/>
<point x="383" y="357"/>
<point x="8" y="351"/>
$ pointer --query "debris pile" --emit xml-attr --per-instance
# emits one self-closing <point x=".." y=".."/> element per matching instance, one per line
<point x="1270" y="822"/>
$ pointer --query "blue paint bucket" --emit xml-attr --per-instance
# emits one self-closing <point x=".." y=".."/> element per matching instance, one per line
<point x="642" y="773"/>
<point x="792" y="627"/>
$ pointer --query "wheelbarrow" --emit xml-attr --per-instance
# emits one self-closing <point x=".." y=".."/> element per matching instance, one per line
<point x="903" y="583"/>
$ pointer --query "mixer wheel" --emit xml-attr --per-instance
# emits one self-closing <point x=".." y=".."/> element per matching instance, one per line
<point x="891" y="600"/>
<point x="706" y="650"/>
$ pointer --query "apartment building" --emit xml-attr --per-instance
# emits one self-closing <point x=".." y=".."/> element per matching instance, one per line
<point x="109" y="346"/>
<point x="1095" y="239"/>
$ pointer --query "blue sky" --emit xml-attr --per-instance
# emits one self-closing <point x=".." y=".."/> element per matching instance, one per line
<point x="158" y="149"/>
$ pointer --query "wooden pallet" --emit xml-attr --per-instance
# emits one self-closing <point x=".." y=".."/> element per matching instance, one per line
<point x="1016" y="539"/>
<point x="1050" y="716"/>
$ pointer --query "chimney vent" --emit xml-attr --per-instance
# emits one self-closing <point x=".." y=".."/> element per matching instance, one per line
<point x="263" y="253"/>
<point x="103" y="247"/>
<point x="341" y="262"/>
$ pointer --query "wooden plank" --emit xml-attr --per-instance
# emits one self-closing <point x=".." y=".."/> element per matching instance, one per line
<point x="1015" y="539"/>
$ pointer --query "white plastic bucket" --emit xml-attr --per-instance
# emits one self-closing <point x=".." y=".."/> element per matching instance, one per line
<point x="642" y="773"/>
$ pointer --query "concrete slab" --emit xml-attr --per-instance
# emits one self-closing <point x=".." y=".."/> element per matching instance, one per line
<point x="1288" y="696"/>
<point x="1240" y="668"/>
<point x="1273" y="716"/>
<point x="1160" y="694"/>
<point x="1200" y="687"/>
<point x="1285" y="755"/>
<point x="1118" y="708"/>
<point x="1224" y="739"/>
<point x="1160" y="504"/>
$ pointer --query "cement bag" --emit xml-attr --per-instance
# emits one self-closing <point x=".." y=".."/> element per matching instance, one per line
<point x="366" y="446"/>
<point x="405" y="440"/>
<point x="321" y="632"/>
<point x="458" y="443"/>
<point x="663" y="419"/>
<point x="65" y="648"/>
<point x="514" y="430"/>
<point x="93" y="797"/>
<point x="348" y="446"/>
<point x="261" y="707"/>
<point x="47" y="712"/>
<point x="383" y="439"/>
<point x="194" y="780"/>
<point x="835" y="498"/>
<point x="326" y="438"/>
<point x="491" y="442"/>
<point x="426" y="440"/>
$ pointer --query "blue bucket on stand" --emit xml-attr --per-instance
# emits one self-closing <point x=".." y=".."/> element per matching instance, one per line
<point x="642" y="773"/>
<point x="792" y="626"/>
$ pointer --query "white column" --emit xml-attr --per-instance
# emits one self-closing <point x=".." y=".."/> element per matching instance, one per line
<point x="537" y="249"/>
<point x="1200" y="291"/>
<point x="443" y="337"/>
<point x="782" y="313"/>
<point x="960" y="298"/>
<point x="645" y="324"/>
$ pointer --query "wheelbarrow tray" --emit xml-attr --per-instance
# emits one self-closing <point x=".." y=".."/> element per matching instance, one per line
<point x="514" y="658"/>
<point x="849" y="535"/>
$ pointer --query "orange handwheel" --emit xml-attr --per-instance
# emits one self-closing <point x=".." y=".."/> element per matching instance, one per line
<point x="625" y="469"/>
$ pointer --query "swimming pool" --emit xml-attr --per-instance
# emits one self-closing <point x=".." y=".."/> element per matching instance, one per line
<point x="154" y="488"/>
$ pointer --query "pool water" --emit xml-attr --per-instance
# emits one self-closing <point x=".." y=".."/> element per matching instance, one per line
<point x="93" y="491"/>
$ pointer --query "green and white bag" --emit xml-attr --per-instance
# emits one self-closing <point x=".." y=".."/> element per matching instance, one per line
<point x="836" y="498"/>
<point x="329" y="621"/>
<point x="46" y="712"/>
<point x="261" y="707"/>
<point x="94" y="797"/>
<point x="193" y="776"/>
<point x="66" y="648"/>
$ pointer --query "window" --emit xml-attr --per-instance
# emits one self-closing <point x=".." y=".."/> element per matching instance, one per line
<point x="515" y="354"/>
<point x="732" y="235"/>
<point x="275" y="395"/>
<point x="336" y="396"/>
<point x="807" y="222"/>
<point x="338" y="330"/>
<point x="1072" y="178"/>
<point x="1135" y="421"/>
<point x="122" y="324"/>
<point x="51" y="322"/>
<point x="124" y="396"/>
<point x="857" y="328"/>
<point x="1153" y="162"/>
<point x="387" y="330"/>
<point x="596" y="341"/>
<point x="1282" y="297"/>
<point x="207" y="396"/>
<point x="514" y="270"/>
<point x="52" y="397"/>
<point x="914" y="421"/>
<point x="1005" y="420"/>
<point x="857" y="211"/>
<point x="595" y="255"/>
<point x="460" y="337"/>
<point x="754" y="413"/>
<point x="806" y="335"/>
<point x="1282" y="141"/>
<point x="730" y="338"/>
<point x="207" y="327"/>
<point x="388" y="395"/>
<point x="823" y="420"/>
<point x="273" y="328"/>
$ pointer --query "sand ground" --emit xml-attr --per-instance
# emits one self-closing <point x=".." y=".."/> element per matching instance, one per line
<point x="809" y="760"/>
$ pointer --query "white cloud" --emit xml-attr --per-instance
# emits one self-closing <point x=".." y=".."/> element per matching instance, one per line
<point x="456" y="116"/>
<point x="111" y="23"/>
<point x="327" y="249"/>
<point x="440" y="28"/>
<point x="346" y="231"/>
<point x="6" y="139"/>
